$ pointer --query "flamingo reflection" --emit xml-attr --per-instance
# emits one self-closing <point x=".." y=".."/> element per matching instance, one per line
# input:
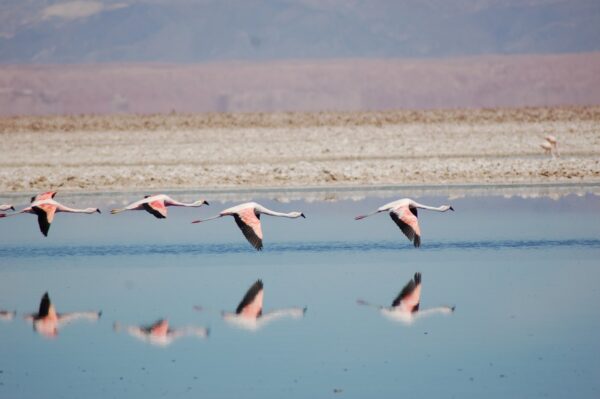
<point x="47" y="321"/>
<point x="249" y="314"/>
<point x="160" y="334"/>
<point x="7" y="315"/>
<point x="406" y="306"/>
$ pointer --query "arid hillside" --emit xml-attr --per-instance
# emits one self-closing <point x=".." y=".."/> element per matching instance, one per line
<point x="344" y="84"/>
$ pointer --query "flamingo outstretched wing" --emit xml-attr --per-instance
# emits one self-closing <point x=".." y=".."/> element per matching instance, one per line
<point x="410" y="296"/>
<point x="45" y="214"/>
<point x="252" y="303"/>
<point x="406" y="218"/>
<point x="249" y="222"/>
<point x="157" y="208"/>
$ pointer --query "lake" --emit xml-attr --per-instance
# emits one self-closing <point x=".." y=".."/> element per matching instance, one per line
<point x="522" y="273"/>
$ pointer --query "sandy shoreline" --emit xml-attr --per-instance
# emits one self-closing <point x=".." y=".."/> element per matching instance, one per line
<point x="285" y="150"/>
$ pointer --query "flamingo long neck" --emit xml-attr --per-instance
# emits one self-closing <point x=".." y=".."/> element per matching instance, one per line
<point x="73" y="210"/>
<point x="264" y="210"/>
<point x="210" y="218"/>
<point x="431" y="208"/>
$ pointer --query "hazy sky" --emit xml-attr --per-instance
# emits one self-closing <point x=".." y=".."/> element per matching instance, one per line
<point x="189" y="31"/>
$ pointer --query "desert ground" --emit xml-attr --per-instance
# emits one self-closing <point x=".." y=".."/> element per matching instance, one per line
<point x="284" y="150"/>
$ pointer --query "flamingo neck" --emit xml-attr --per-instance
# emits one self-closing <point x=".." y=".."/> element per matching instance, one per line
<point x="431" y="208"/>
<point x="266" y="211"/>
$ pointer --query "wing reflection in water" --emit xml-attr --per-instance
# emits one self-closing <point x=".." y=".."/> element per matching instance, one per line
<point x="249" y="313"/>
<point x="47" y="321"/>
<point x="406" y="306"/>
<point x="7" y="315"/>
<point x="160" y="334"/>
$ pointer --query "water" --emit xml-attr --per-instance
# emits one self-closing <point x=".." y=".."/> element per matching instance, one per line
<point x="522" y="273"/>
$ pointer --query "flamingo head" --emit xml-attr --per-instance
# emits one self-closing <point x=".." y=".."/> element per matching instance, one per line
<point x="296" y="214"/>
<point x="447" y="208"/>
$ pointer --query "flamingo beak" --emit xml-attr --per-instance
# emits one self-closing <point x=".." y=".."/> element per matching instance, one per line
<point x="303" y="215"/>
<point x="12" y="207"/>
<point x="451" y="208"/>
<point x="98" y="210"/>
<point x="206" y="203"/>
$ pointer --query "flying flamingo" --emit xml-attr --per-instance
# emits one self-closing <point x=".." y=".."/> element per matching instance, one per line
<point x="47" y="321"/>
<point x="247" y="217"/>
<point x="44" y="206"/>
<point x="6" y="207"/>
<point x="7" y="315"/>
<point x="404" y="213"/>
<point x="157" y="205"/>
<point x="405" y="307"/>
<point x="249" y="313"/>
<point x="159" y="333"/>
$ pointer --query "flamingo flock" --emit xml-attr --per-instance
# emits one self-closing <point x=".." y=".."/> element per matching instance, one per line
<point x="249" y="313"/>
<point x="247" y="215"/>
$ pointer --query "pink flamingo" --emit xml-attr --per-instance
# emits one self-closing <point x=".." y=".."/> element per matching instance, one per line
<point x="159" y="333"/>
<point x="249" y="313"/>
<point x="47" y="321"/>
<point x="6" y="207"/>
<point x="44" y="206"/>
<point x="404" y="213"/>
<point x="247" y="217"/>
<point x="405" y="307"/>
<point x="157" y="205"/>
<point x="7" y="315"/>
<point x="550" y="146"/>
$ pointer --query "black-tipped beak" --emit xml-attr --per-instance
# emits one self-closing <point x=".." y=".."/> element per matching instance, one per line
<point x="303" y="215"/>
<point x="12" y="207"/>
<point x="206" y="203"/>
<point x="451" y="208"/>
<point x="98" y="210"/>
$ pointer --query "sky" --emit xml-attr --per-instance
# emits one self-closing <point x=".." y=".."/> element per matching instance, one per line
<point x="37" y="31"/>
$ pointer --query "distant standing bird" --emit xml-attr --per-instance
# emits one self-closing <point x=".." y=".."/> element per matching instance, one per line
<point x="44" y="206"/>
<point x="159" y="333"/>
<point x="47" y="321"/>
<point x="249" y="313"/>
<point x="554" y="144"/>
<point x="405" y="307"/>
<point x="157" y="205"/>
<point x="404" y="213"/>
<point x="247" y="217"/>
<point x="548" y="149"/>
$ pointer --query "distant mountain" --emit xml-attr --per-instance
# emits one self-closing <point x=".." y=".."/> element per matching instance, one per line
<point x="42" y="31"/>
<point x="308" y="85"/>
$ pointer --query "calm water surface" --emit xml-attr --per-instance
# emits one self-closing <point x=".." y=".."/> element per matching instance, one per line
<point x="524" y="275"/>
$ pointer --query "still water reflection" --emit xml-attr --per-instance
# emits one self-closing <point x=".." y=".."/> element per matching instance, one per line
<point x="47" y="321"/>
<point x="522" y="273"/>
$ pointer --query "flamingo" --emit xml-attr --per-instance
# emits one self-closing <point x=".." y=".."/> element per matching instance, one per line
<point x="157" y="205"/>
<point x="5" y="207"/>
<point x="553" y="145"/>
<point x="47" y="321"/>
<point x="405" y="307"/>
<point x="249" y="313"/>
<point x="247" y="217"/>
<point x="159" y="333"/>
<point x="548" y="148"/>
<point x="404" y="213"/>
<point x="44" y="206"/>
<point x="7" y="315"/>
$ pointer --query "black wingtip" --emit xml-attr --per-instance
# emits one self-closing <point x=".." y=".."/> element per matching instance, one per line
<point x="417" y="278"/>
<point x="417" y="242"/>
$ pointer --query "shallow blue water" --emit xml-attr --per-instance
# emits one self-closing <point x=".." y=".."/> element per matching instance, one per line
<point x="523" y="274"/>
